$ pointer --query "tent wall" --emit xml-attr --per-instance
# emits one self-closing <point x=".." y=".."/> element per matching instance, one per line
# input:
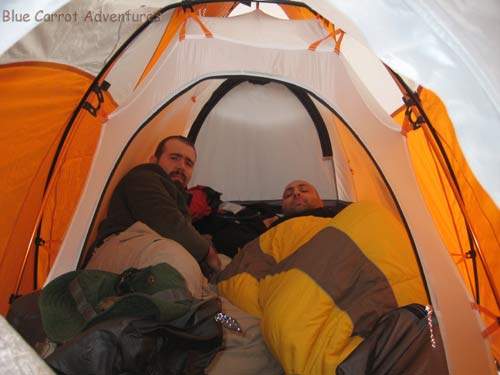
<point x="67" y="183"/>
<point x="135" y="57"/>
<point x="297" y="13"/>
<point x="14" y="31"/>
<point x="448" y="210"/>
<point x="241" y="145"/>
<point x="37" y="101"/>
<point x="368" y="184"/>
<point x="343" y="172"/>
<point x="357" y="177"/>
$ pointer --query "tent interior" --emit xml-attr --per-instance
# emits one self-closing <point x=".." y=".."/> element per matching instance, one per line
<point x="266" y="101"/>
<point x="245" y="136"/>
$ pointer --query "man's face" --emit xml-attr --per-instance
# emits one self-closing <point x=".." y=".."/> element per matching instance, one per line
<point x="177" y="160"/>
<point x="300" y="196"/>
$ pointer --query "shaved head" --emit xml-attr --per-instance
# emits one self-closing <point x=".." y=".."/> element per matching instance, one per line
<point x="300" y="196"/>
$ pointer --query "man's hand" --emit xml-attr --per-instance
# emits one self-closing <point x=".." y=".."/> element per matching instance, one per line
<point x="267" y="222"/>
<point x="213" y="260"/>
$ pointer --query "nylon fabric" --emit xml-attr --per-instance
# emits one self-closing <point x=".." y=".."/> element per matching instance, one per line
<point x="270" y="33"/>
<point x="333" y="278"/>
<point x="280" y="245"/>
<point x="384" y="236"/>
<point x="482" y="211"/>
<point x="68" y="182"/>
<point x="234" y="120"/>
<point x="243" y="291"/>
<point x="37" y="101"/>
<point x="89" y="34"/>
<point x="170" y="31"/>
<point x="13" y="31"/>
<point x="301" y="348"/>
<point x="177" y="19"/>
<point x="297" y="13"/>
<point x="134" y="58"/>
<point x="366" y="184"/>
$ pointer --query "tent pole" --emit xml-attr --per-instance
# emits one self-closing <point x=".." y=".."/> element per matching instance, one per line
<point x="472" y="254"/>
<point x="334" y="177"/>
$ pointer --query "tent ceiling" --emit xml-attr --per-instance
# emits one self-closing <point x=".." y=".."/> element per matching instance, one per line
<point x="259" y="29"/>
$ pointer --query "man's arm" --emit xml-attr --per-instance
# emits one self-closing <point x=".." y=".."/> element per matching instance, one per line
<point x="152" y="203"/>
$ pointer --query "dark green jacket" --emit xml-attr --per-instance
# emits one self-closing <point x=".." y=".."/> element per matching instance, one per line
<point x="147" y="194"/>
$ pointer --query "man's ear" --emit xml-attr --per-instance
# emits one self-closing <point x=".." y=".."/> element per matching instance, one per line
<point x="153" y="159"/>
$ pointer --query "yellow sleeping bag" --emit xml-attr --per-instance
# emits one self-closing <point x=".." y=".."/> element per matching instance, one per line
<point x="320" y="284"/>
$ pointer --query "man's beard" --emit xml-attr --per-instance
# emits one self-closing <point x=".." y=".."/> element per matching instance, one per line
<point x="178" y="176"/>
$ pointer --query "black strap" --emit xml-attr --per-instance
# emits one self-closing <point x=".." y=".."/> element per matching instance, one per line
<point x="98" y="90"/>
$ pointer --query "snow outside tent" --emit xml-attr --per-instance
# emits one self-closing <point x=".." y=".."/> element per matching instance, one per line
<point x="267" y="100"/>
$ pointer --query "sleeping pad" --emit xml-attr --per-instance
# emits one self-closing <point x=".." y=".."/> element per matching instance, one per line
<point x="320" y="284"/>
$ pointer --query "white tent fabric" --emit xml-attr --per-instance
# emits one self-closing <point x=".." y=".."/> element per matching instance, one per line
<point x="266" y="31"/>
<point x="133" y="60"/>
<point x="350" y="187"/>
<point x="372" y="73"/>
<point x="16" y="356"/>
<point x="343" y="178"/>
<point x="339" y="86"/>
<point x="12" y="30"/>
<point x="82" y="33"/>
<point x="240" y="146"/>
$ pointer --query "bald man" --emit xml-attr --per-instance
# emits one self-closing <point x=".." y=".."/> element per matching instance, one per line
<point x="300" y="196"/>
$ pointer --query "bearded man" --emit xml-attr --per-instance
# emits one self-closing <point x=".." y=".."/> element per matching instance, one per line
<point x="148" y="221"/>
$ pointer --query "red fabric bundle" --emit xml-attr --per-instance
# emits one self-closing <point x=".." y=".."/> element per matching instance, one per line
<point x="199" y="206"/>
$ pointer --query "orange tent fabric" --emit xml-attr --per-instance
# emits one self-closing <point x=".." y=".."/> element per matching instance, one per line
<point x="297" y="13"/>
<point x="68" y="182"/>
<point x="450" y="212"/>
<point x="37" y="102"/>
